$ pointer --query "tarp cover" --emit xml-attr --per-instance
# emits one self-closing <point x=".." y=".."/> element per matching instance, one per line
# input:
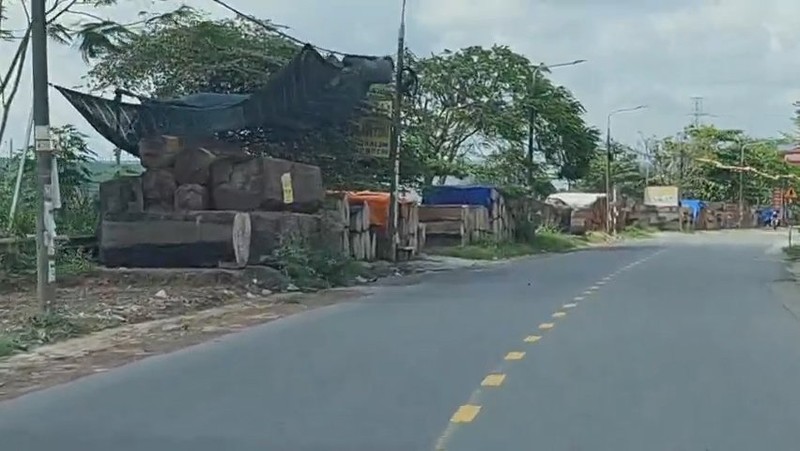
<point x="310" y="92"/>
<point x="459" y="195"/>
<point x="695" y="205"/>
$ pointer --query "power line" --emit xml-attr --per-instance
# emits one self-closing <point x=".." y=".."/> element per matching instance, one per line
<point x="275" y="29"/>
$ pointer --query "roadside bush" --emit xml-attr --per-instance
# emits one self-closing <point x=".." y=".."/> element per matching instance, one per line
<point x="313" y="267"/>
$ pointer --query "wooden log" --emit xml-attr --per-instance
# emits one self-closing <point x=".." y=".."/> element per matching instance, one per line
<point x="267" y="184"/>
<point x="433" y="213"/>
<point x="357" y="214"/>
<point x="373" y="245"/>
<point x="191" y="198"/>
<point x="158" y="190"/>
<point x="193" y="162"/>
<point x="159" y="152"/>
<point x="121" y="194"/>
<point x="241" y="236"/>
<point x="196" y="239"/>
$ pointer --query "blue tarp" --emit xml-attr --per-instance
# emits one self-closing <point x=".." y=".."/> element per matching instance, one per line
<point x="765" y="215"/>
<point x="695" y="205"/>
<point x="458" y="195"/>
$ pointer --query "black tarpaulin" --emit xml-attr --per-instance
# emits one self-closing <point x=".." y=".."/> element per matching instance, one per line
<point x="308" y="93"/>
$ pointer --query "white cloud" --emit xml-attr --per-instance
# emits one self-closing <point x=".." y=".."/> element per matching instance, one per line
<point x="738" y="54"/>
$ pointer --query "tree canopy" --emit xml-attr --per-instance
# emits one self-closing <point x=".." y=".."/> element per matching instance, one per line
<point x="474" y="105"/>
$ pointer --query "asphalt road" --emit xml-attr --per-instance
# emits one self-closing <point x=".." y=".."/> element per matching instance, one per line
<point x="674" y="344"/>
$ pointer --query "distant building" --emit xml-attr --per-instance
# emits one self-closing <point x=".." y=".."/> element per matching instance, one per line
<point x="791" y="153"/>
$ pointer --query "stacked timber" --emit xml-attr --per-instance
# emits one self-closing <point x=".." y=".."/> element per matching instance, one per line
<point x="411" y="233"/>
<point x="363" y="239"/>
<point x="203" y="202"/>
<point x="455" y="224"/>
<point x="199" y="238"/>
<point x="365" y="235"/>
<point x="501" y="224"/>
<point x="208" y="174"/>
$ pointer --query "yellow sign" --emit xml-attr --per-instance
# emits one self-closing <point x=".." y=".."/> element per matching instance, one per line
<point x="288" y="192"/>
<point x="373" y="136"/>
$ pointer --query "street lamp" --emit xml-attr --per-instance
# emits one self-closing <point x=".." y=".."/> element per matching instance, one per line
<point x="741" y="177"/>
<point x="532" y="111"/>
<point x="610" y="228"/>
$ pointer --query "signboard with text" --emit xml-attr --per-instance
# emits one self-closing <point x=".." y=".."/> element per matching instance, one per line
<point x="373" y="132"/>
<point x="661" y="196"/>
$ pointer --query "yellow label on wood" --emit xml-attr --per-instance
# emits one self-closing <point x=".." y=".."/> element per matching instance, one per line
<point x="288" y="192"/>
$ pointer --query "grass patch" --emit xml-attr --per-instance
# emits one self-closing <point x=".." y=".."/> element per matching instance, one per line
<point x="39" y="330"/>
<point x="312" y="267"/>
<point x="792" y="253"/>
<point x="542" y="242"/>
<point x="638" y="232"/>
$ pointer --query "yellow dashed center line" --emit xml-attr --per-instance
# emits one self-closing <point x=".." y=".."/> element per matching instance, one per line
<point x="493" y="380"/>
<point x="465" y="413"/>
<point x="468" y="412"/>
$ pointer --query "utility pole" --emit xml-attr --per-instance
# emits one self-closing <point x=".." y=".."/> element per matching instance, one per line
<point x="610" y="191"/>
<point x="45" y="224"/>
<point x="394" y="147"/>
<point x="532" y="111"/>
<point x="741" y="184"/>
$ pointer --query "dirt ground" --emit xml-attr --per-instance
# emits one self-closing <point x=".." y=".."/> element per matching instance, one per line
<point x="112" y="317"/>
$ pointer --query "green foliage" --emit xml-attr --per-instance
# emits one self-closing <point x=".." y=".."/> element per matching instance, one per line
<point x="78" y="215"/>
<point x="313" y="267"/>
<point x="185" y="52"/>
<point x="38" y="330"/>
<point x="542" y="240"/>
<point x="182" y="53"/>
<point x="703" y="161"/>
<point x="626" y="172"/>
<point x="476" y="102"/>
<point x="510" y="171"/>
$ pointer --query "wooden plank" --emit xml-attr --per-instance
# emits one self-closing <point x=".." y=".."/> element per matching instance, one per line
<point x="433" y="213"/>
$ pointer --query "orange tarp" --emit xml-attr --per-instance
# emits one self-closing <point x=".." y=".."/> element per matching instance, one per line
<point x="378" y="205"/>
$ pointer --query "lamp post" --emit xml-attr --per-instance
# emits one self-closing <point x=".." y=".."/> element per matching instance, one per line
<point x="532" y="111"/>
<point x="610" y="227"/>
<point x="742" y="148"/>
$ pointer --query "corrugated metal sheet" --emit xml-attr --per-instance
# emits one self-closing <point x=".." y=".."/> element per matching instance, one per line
<point x="575" y="200"/>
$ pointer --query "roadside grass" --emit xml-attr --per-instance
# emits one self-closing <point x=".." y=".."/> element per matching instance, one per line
<point x="638" y="232"/>
<point x="792" y="253"/>
<point x="37" y="330"/>
<point x="544" y="241"/>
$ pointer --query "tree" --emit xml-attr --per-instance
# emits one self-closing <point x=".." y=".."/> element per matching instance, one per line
<point x="476" y="101"/>
<point x="183" y="53"/>
<point x="66" y="21"/>
<point x="509" y="169"/>
<point x="704" y="162"/>
<point x="186" y="52"/>
<point x="78" y="214"/>
<point x="626" y="172"/>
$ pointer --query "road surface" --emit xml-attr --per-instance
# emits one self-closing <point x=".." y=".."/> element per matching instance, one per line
<point x="675" y="344"/>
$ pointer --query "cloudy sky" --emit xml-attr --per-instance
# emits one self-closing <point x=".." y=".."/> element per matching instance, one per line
<point x="739" y="55"/>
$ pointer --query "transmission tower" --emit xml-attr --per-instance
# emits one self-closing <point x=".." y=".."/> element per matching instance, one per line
<point x="697" y="112"/>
